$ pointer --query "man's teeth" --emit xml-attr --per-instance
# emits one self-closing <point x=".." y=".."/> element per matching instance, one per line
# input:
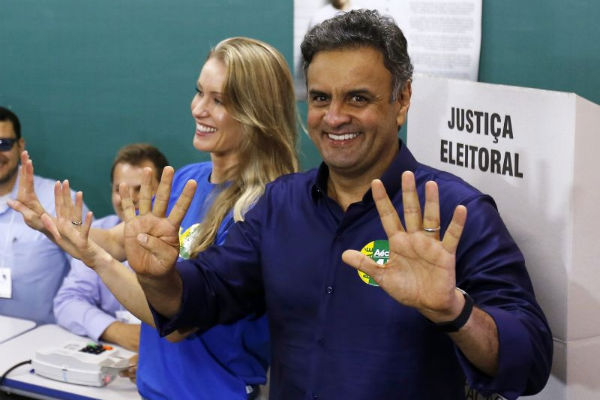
<point x="346" y="136"/>
<point x="205" y="129"/>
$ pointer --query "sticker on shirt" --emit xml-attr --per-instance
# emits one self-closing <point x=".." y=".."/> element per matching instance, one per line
<point x="5" y="283"/>
<point x="186" y="241"/>
<point x="378" y="251"/>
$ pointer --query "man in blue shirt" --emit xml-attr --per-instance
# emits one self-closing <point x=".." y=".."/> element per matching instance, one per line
<point x="31" y="266"/>
<point x="398" y="326"/>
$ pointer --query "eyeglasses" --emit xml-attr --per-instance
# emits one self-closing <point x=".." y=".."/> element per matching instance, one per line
<point x="6" y="144"/>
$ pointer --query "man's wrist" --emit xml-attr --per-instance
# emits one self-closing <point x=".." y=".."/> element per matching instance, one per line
<point x="461" y="319"/>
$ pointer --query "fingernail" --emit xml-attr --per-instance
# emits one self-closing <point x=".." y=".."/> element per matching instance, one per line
<point x="142" y="238"/>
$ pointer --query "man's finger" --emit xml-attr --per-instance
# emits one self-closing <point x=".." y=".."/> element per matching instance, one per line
<point x="361" y="262"/>
<point x="25" y="181"/>
<point x="455" y="229"/>
<point x="126" y="202"/>
<point x="410" y="203"/>
<point x="431" y="215"/>
<point x="387" y="213"/>
<point x="183" y="203"/>
<point x="145" y="199"/>
<point x="25" y="190"/>
<point x="161" y="201"/>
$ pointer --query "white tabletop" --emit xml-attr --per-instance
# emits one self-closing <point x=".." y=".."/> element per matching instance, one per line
<point x="23" y="381"/>
<point x="11" y="327"/>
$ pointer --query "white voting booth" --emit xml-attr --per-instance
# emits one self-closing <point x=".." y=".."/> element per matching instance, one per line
<point x="537" y="153"/>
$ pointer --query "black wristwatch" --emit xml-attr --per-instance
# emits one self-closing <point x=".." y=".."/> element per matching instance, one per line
<point x="461" y="320"/>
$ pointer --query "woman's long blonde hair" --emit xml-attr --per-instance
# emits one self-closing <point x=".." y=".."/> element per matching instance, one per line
<point x="258" y="93"/>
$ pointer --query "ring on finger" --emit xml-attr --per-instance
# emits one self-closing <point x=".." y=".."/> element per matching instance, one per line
<point x="431" y="230"/>
<point x="76" y="222"/>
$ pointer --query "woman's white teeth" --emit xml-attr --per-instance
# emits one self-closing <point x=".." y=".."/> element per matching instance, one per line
<point x="346" y="136"/>
<point x="206" y="129"/>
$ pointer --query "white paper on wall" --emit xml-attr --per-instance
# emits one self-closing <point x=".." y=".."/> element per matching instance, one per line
<point x="444" y="36"/>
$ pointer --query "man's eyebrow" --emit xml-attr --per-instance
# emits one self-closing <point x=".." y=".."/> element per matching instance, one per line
<point x="360" y="91"/>
<point x="316" y="91"/>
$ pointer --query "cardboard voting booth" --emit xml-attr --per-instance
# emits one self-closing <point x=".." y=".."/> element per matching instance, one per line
<point x="537" y="153"/>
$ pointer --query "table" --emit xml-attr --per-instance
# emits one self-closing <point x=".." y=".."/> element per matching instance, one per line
<point x="24" y="382"/>
<point x="11" y="327"/>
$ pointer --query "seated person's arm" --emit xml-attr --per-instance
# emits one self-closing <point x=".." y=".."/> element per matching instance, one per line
<point x="82" y="308"/>
<point x="123" y="334"/>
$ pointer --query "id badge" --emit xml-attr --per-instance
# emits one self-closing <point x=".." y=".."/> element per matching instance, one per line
<point x="5" y="283"/>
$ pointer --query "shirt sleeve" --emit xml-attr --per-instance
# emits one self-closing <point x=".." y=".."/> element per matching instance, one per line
<point x="77" y="303"/>
<point x="491" y="268"/>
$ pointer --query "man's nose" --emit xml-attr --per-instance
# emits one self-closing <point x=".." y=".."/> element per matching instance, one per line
<point x="336" y="115"/>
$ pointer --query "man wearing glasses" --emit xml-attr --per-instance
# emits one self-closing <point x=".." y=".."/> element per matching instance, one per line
<point x="31" y="266"/>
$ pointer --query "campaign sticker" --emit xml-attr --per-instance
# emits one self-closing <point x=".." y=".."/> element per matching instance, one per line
<point x="378" y="251"/>
<point x="186" y="240"/>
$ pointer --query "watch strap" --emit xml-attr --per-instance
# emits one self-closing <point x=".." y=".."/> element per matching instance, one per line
<point x="461" y="319"/>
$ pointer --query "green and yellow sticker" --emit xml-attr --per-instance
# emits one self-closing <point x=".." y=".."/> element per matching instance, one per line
<point x="186" y="239"/>
<point x="378" y="251"/>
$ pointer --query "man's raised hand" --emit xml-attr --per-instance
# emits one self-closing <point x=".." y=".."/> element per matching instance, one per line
<point x="27" y="202"/>
<point x="420" y="271"/>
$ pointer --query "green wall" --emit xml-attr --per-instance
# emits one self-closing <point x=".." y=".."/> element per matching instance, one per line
<point x="547" y="44"/>
<point x="87" y="77"/>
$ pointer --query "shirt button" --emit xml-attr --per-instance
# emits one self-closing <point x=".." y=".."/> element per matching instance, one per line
<point x="329" y="289"/>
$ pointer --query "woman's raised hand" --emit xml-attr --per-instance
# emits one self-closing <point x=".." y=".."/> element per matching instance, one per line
<point x="151" y="238"/>
<point x="70" y="230"/>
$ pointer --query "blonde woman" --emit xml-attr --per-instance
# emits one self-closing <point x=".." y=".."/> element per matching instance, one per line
<point x="245" y="117"/>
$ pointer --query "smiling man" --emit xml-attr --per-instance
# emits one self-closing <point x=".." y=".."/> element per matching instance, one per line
<point x="437" y="300"/>
<point x="31" y="266"/>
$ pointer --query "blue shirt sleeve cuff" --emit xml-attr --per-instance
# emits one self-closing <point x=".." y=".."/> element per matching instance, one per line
<point x="190" y="311"/>
<point x="98" y="324"/>
<point x="513" y="347"/>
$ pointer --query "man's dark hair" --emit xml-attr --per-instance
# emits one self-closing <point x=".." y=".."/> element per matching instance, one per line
<point x="136" y="154"/>
<point x="359" y="28"/>
<point x="7" y="115"/>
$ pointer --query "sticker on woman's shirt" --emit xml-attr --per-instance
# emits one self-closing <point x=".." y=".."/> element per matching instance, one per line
<point x="378" y="251"/>
<point x="186" y="241"/>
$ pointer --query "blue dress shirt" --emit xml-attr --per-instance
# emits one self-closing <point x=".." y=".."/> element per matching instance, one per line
<point x="37" y="265"/>
<point x="334" y="335"/>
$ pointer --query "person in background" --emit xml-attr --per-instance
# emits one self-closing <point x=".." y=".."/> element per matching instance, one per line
<point x="31" y="266"/>
<point x="245" y="117"/>
<point x="83" y="304"/>
<point x="435" y="300"/>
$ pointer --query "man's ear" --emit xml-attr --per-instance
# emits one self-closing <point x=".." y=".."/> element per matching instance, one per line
<point x="404" y="100"/>
<point x="21" y="145"/>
